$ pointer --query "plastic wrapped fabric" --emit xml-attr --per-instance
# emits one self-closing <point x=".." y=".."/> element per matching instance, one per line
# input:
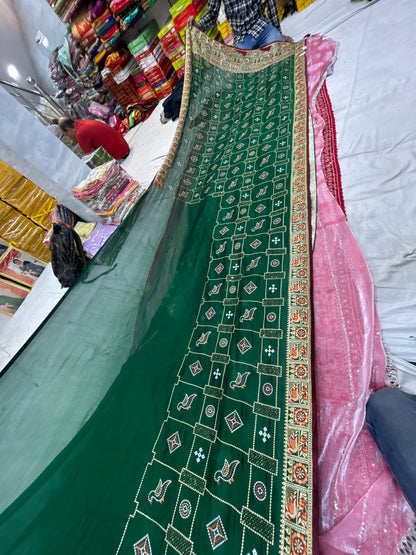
<point x="84" y="230"/>
<point x="97" y="178"/>
<point x="8" y="178"/>
<point x="110" y="191"/>
<point x="31" y="201"/>
<point x="22" y="233"/>
<point x="99" y="110"/>
<point x="97" y="8"/>
<point x="25" y="196"/>
<point x="62" y="215"/>
<point x="98" y="237"/>
<point x="97" y="158"/>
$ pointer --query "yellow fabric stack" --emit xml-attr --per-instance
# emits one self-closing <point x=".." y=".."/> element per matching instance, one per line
<point x="24" y="213"/>
<point x="20" y="232"/>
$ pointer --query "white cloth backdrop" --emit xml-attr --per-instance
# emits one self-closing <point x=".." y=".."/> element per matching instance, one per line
<point x="372" y="91"/>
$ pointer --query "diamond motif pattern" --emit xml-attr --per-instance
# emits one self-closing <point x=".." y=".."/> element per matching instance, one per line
<point x="195" y="368"/>
<point x="244" y="345"/>
<point x="250" y="287"/>
<point x="233" y="421"/>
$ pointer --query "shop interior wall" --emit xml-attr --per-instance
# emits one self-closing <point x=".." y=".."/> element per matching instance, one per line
<point x="160" y="12"/>
<point x="20" y="21"/>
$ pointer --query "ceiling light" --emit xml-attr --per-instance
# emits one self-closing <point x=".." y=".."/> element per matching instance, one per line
<point x="12" y="71"/>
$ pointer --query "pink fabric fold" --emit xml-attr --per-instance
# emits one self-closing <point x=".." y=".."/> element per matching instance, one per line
<point x="362" y="510"/>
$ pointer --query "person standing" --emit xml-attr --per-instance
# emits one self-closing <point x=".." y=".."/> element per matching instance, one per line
<point x="91" y="134"/>
<point x="251" y="27"/>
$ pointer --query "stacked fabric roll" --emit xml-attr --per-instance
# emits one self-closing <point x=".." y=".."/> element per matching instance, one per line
<point x="101" y="233"/>
<point x="64" y="9"/>
<point x="145" y="37"/>
<point x="83" y="32"/>
<point x="182" y="10"/>
<point x="121" y="64"/>
<point x="224" y="27"/>
<point x="76" y="76"/>
<point x="110" y="191"/>
<point x="63" y="215"/>
<point x="144" y="90"/>
<point x="123" y="87"/>
<point x="173" y="47"/>
<point x="126" y="12"/>
<point x="105" y="26"/>
<point x="156" y="67"/>
<point x="154" y="64"/>
<point x="125" y="92"/>
<point x="68" y="85"/>
<point x="146" y="4"/>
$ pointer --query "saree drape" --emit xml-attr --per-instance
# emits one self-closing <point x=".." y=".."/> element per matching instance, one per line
<point x="231" y="468"/>
<point x="205" y="439"/>
<point x="181" y="418"/>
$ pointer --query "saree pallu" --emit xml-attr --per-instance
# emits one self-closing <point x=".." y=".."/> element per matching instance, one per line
<point x="231" y="469"/>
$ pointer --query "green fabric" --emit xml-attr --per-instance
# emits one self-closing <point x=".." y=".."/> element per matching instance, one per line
<point x="203" y="441"/>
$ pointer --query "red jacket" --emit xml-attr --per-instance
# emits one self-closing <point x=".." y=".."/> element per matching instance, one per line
<point x="91" y="134"/>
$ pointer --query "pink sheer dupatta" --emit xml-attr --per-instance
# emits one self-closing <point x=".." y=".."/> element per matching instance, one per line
<point x="361" y="507"/>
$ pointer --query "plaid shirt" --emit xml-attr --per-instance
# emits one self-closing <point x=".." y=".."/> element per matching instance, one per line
<point x="244" y="16"/>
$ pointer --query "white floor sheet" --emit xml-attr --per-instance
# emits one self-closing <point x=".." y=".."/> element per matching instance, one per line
<point x="373" y="96"/>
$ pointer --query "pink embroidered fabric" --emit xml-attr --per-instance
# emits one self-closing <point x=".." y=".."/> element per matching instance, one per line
<point x="362" y="510"/>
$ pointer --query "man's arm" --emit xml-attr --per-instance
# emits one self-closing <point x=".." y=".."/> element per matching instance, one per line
<point x="272" y="13"/>
<point x="210" y="18"/>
